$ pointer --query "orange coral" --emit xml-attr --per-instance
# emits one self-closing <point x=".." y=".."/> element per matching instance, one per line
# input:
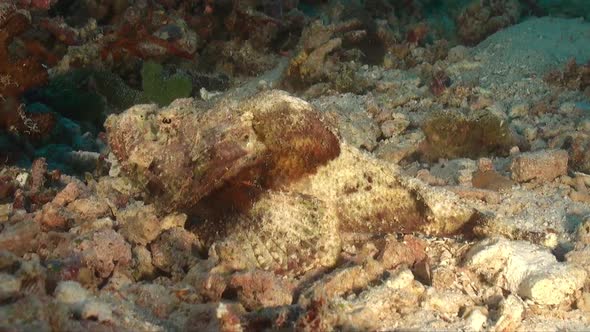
<point x="417" y="33"/>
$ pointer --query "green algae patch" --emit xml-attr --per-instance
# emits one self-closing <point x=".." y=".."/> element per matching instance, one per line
<point x="163" y="90"/>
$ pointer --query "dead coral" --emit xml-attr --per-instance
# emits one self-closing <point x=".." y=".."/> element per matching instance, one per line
<point x="343" y="281"/>
<point x="398" y="294"/>
<point x="515" y="266"/>
<point x="21" y="237"/>
<point x="577" y="150"/>
<point x="238" y="57"/>
<point x="355" y="125"/>
<point x="147" y="33"/>
<point x="53" y="217"/>
<point x="89" y="208"/>
<point x="544" y="165"/>
<point x="209" y="282"/>
<point x="312" y="62"/>
<point x="7" y="187"/>
<point x="214" y="317"/>
<point x="139" y="223"/>
<point x="439" y="83"/>
<point x="157" y="299"/>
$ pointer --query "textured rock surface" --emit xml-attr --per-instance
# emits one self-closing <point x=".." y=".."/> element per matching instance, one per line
<point x="257" y="290"/>
<point x="530" y="271"/>
<point x="104" y="250"/>
<point x="539" y="165"/>
<point x="175" y="250"/>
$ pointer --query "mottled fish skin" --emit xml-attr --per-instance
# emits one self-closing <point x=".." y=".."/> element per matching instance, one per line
<point x="287" y="233"/>
<point x="270" y="139"/>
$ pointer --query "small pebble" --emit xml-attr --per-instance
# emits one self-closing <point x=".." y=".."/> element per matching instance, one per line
<point x="70" y="292"/>
<point x="476" y="319"/>
<point x="520" y="110"/>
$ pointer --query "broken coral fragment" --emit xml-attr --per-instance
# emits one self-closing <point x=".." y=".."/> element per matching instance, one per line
<point x="544" y="165"/>
<point x="397" y="294"/>
<point x="174" y="251"/>
<point x="103" y="251"/>
<point x="316" y="57"/>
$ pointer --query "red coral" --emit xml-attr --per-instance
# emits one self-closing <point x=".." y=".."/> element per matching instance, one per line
<point x="36" y="4"/>
<point x="21" y="74"/>
<point x="18" y="76"/>
<point x="440" y="82"/>
<point x="136" y="37"/>
<point x="7" y="187"/>
<point x="61" y="30"/>
<point x="574" y="76"/>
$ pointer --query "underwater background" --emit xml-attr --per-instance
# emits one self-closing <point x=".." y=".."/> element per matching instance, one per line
<point x="305" y="165"/>
<point x="66" y="65"/>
